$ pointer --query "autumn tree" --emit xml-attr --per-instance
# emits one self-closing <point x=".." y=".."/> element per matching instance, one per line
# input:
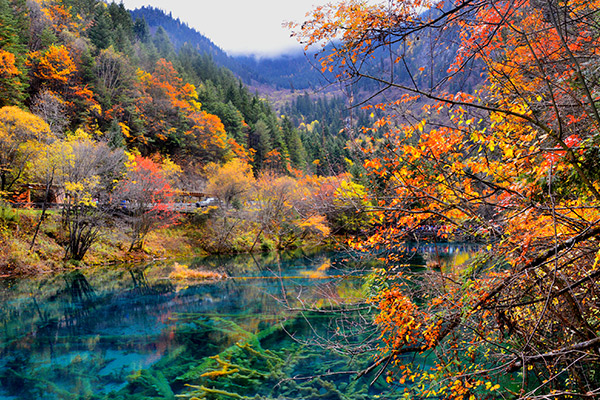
<point x="512" y="162"/>
<point x="42" y="171"/>
<point x="230" y="182"/>
<point x="9" y="78"/>
<point x="59" y="69"/>
<point x="114" y="73"/>
<point x="60" y="18"/>
<point x="144" y="195"/>
<point x="351" y="207"/>
<point x="270" y="212"/>
<point x="21" y="135"/>
<point x="283" y="210"/>
<point x="85" y="171"/>
<point x="205" y="140"/>
<point x="175" y="122"/>
<point x="40" y="34"/>
<point x="54" y="67"/>
<point x="51" y="108"/>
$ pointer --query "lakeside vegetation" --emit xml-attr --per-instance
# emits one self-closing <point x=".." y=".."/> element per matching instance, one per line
<point x="271" y="213"/>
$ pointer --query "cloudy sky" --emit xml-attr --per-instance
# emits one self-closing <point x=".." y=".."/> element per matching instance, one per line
<point x="239" y="26"/>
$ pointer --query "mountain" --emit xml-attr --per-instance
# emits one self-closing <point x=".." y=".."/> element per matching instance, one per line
<point x="317" y="126"/>
<point x="180" y="33"/>
<point x="292" y="71"/>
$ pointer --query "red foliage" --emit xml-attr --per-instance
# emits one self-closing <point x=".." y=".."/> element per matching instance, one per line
<point x="147" y="197"/>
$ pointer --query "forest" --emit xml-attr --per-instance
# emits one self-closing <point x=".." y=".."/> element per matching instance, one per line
<point x="125" y="130"/>
<point x="471" y="120"/>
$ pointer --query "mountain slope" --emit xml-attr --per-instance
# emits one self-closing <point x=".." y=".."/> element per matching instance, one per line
<point x="293" y="71"/>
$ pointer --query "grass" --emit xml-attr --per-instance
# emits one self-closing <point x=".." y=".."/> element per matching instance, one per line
<point x="183" y="273"/>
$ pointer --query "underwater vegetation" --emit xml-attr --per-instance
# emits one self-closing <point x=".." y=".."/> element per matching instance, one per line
<point x="173" y="331"/>
<point x="286" y="369"/>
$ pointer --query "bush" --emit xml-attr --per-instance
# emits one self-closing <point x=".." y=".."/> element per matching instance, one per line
<point x="267" y="245"/>
<point x="8" y="214"/>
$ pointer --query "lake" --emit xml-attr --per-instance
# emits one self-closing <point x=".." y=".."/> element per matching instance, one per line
<point x="280" y="326"/>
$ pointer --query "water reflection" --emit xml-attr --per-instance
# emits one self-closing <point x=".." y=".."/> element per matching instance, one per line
<point x="132" y="333"/>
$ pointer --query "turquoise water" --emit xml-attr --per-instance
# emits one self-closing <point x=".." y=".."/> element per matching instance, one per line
<point x="136" y="332"/>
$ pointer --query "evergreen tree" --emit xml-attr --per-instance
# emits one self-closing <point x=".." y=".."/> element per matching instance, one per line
<point x="163" y="44"/>
<point x="259" y="139"/>
<point x="294" y="144"/>
<point x="115" y="136"/>
<point x="13" y="51"/>
<point x="100" y="33"/>
<point x="141" y="30"/>
<point x="121" y="18"/>
<point x="232" y="119"/>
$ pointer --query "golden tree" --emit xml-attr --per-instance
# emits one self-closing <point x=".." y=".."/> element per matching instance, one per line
<point x="20" y="134"/>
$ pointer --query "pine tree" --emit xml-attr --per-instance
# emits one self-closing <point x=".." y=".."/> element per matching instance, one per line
<point x="294" y="144"/>
<point x="141" y="30"/>
<point x="163" y="44"/>
<point x="13" y="50"/>
<point x="100" y="33"/>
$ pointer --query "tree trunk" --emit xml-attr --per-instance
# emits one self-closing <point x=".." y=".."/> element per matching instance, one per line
<point x="44" y="207"/>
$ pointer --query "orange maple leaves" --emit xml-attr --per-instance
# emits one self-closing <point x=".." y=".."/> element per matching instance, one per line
<point x="57" y="69"/>
<point x="164" y="95"/>
<point x="402" y="322"/>
<point x="55" y="65"/>
<point x="514" y="163"/>
<point x="8" y="67"/>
